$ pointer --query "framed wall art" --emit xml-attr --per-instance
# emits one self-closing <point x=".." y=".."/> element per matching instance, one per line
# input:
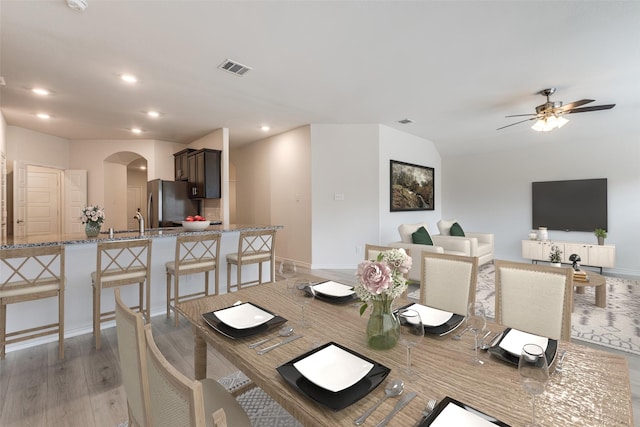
<point x="411" y="187"/>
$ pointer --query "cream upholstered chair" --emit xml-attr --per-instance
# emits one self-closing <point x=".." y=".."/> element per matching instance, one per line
<point x="534" y="298"/>
<point x="133" y="362"/>
<point x="448" y="281"/>
<point x="28" y="274"/>
<point x="119" y="263"/>
<point x="254" y="247"/>
<point x="371" y="252"/>
<point x="198" y="253"/>
<point x="178" y="401"/>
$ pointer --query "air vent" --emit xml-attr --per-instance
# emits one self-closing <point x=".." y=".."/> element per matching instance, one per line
<point x="234" y="67"/>
<point x="405" y="121"/>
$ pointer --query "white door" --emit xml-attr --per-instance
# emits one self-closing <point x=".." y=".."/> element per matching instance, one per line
<point x="19" y="199"/>
<point x="75" y="196"/>
<point x="43" y="201"/>
<point x="3" y="198"/>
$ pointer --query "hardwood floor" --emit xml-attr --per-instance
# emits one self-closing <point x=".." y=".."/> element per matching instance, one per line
<point x="84" y="390"/>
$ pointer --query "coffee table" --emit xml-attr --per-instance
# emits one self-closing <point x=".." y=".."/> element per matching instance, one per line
<point x="599" y="282"/>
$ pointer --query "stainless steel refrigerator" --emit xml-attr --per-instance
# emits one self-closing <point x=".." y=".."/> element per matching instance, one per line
<point x="168" y="203"/>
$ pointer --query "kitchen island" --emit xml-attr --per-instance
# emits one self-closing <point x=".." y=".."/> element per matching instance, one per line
<point x="80" y="262"/>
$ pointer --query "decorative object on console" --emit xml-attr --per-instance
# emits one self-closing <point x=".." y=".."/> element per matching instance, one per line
<point x="575" y="259"/>
<point x="601" y="234"/>
<point x="412" y="187"/>
<point x="543" y="234"/>
<point x="533" y="235"/>
<point x="555" y="255"/>
<point x="380" y="282"/>
<point x="92" y="217"/>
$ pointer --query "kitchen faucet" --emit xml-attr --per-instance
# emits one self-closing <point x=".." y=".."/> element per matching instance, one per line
<point x="140" y="219"/>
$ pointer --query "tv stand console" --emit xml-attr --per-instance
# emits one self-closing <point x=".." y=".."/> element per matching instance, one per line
<point x="590" y="254"/>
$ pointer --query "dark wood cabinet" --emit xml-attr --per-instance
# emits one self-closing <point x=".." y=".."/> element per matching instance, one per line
<point x="181" y="166"/>
<point x="204" y="173"/>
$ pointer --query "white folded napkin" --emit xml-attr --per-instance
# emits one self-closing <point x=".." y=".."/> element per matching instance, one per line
<point x="515" y="340"/>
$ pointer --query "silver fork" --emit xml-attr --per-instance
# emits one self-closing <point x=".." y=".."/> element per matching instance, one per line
<point x="458" y="337"/>
<point x="561" y="361"/>
<point x="431" y="404"/>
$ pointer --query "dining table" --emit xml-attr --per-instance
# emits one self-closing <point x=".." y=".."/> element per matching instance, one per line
<point x="592" y="389"/>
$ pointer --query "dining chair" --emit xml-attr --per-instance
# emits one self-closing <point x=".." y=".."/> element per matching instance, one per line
<point x="29" y="274"/>
<point x="371" y="252"/>
<point x="198" y="253"/>
<point x="133" y="362"/>
<point x="120" y="263"/>
<point x="534" y="298"/>
<point x="179" y="401"/>
<point x="254" y="247"/>
<point x="448" y="281"/>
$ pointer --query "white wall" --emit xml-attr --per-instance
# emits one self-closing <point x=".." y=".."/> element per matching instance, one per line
<point x="37" y="148"/>
<point x="273" y="186"/>
<point x="492" y="192"/>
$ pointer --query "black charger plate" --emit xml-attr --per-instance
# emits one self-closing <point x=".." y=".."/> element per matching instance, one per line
<point x="228" y="331"/>
<point x="333" y="400"/>
<point x="500" y="353"/>
<point x="449" y="326"/>
<point x="450" y="401"/>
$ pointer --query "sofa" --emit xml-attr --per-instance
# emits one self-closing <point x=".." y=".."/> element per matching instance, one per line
<point x="471" y="244"/>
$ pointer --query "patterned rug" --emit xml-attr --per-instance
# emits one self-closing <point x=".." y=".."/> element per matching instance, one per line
<point x="616" y="326"/>
<point x="261" y="409"/>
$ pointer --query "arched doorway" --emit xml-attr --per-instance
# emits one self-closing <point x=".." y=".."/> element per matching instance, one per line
<point x="125" y="189"/>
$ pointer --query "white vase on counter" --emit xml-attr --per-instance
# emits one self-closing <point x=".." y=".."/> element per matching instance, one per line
<point x="543" y="234"/>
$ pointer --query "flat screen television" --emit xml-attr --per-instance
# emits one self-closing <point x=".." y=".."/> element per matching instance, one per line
<point x="575" y="205"/>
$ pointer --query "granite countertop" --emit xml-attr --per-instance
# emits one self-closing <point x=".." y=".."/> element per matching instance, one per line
<point x="80" y="238"/>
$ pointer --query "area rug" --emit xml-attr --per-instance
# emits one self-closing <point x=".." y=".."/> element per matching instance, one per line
<point x="616" y="326"/>
<point x="261" y="409"/>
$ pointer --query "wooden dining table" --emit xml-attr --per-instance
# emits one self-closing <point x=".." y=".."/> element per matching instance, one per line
<point x="593" y="388"/>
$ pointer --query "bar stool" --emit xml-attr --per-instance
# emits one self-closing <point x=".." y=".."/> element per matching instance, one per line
<point x="29" y="274"/>
<point x="197" y="253"/>
<point x="120" y="263"/>
<point x="254" y="247"/>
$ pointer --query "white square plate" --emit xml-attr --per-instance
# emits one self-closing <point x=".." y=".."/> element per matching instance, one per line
<point x="243" y="316"/>
<point x="333" y="289"/>
<point x="430" y="316"/>
<point x="453" y="415"/>
<point x="515" y="340"/>
<point x="333" y="368"/>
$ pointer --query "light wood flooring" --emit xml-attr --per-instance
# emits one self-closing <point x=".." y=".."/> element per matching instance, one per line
<point x="84" y="390"/>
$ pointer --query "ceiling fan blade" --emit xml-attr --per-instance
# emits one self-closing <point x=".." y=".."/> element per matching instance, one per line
<point x="575" y="104"/>
<point x="521" y="121"/>
<point x="594" y="108"/>
<point x="521" y="115"/>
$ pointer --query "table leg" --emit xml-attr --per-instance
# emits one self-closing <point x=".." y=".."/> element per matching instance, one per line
<point x="199" y="356"/>
<point x="601" y="295"/>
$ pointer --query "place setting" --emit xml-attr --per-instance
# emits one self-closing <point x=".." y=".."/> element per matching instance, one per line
<point x="435" y="321"/>
<point x="243" y="320"/>
<point x="507" y="346"/>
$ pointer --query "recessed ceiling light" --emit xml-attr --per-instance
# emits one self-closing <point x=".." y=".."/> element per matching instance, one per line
<point x="129" y="78"/>
<point x="40" y="91"/>
<point x="43" y="116"/>
<point x="137" y="131"/>
<point x="153" y="114"/>
<point x="265" y="128"/>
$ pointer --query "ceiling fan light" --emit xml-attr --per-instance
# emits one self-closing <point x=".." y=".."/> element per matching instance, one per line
<point x="561" y="122"/>
<point x="541" y="125"/>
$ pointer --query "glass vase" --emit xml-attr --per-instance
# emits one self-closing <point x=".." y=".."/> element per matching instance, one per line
<point x="383" y="328"/>
<point x="92" y="229"/>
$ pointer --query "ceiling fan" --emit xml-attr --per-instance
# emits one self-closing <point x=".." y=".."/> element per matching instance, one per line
<point x="549" y="115"/>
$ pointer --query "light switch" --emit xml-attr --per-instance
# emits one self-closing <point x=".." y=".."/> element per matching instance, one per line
<point x="338" y="196"/>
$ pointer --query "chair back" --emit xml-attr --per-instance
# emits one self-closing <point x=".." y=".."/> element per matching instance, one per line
<point x="534" y="298"/>
<point x="371" y="252"/>
<point x="448" y="281"/>
<point x="254" y="246"/>
<point x="29" y="271"/>
<point x="133" y="362"/>
<point x="196" y="254"/>
<point x="175" y="399"/>
<point x="123" y="262"/>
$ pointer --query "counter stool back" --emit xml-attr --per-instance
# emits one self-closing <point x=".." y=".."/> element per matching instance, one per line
<point x="197" y="253"/>
<point x="28" y="274"/>
<point x="254" y="247"/>
<point x="120" y="263"/>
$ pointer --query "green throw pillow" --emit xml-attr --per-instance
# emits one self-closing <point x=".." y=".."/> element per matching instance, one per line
<point x="456" y="230"/>
<point x="421" y="237"/>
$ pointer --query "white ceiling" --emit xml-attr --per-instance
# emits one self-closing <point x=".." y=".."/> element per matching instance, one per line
<point x="456" y="68"/>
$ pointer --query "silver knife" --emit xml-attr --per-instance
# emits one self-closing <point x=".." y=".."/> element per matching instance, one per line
<point x="284" y="341"/>
<point x="401" y="404"/>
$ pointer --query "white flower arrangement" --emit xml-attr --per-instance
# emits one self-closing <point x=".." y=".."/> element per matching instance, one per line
<point x="93" y="214"/>
<point x="383" y="279"/>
